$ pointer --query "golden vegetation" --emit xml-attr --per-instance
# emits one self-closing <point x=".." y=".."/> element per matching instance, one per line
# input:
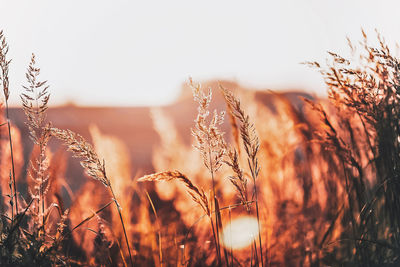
<point x="320" y="179"/>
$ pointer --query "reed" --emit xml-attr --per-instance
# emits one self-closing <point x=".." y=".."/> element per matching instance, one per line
<point x="4" y="65"/>
<point x="93" y="166"/>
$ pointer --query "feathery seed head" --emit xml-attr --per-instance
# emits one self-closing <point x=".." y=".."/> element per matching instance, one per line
<point x="4" y="65"/>
<point x="83" y="150"/>
<point x="209" y="138"/>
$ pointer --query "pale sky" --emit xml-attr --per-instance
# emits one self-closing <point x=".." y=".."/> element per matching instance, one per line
<point x="140" y="52"/>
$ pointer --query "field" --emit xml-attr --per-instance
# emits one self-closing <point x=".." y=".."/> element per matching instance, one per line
<point x="225" y="176"/>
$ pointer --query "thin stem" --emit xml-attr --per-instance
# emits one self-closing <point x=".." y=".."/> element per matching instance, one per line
<point x="122" y="222"/>
<point x="259" y="229"/>
<point x="159" y="229"/>
<point x="215" y="239"/>
<point x="41" y="184"/>
<point x="204" y="215"/>
<point x="40" y="161"/>
<point x="216" y="208"/>
<point x="252" y="166"/>
<point x="12" y="159"/>
<point x="91" y="216"/>
<point x="11" y="200"/>
<point x="230" y="233"/>
<point x="18" y="221"/>
<point x="353" y="221"/>
<point x="366" y="133"/>
<point x="253" y="246"/>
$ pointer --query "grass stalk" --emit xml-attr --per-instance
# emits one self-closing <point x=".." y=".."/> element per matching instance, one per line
<point x="11" y="198"/>
<point x="91" y="216"/>
<point x="12" y="159"/>
<point x="4" y="65"/>
<point x="160" y="254"/>
<point x="230" y="233"/>
<point x="251" y="144"/>
<point x="216" y="207"/>
<point x="258" y="218"/>
<point x="41" y="188"/>
<point x="122" y="223"/>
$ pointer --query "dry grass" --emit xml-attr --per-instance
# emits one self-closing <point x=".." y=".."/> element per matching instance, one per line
<point x="83" y="150"/>
<point x="320" y="178"/>
<point x="198" y="195"/>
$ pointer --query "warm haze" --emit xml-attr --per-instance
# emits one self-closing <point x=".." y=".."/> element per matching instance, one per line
<point x="143" y="171"/>
<point x="137" y="53"/>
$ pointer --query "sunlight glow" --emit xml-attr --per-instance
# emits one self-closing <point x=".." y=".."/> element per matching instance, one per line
<point x="139" y="53"/>
<point x="240" y="233"/>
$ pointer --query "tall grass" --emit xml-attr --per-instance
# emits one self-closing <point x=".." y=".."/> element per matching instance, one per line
<point x="36" y="244"/>
<point x="4" y="65"/>
<point x="319" y="176"/>
<point x="93" y="166"/>
<point x="367" y="91"/>
<point x="251" y="145"/>
<point x="213" y="149"/>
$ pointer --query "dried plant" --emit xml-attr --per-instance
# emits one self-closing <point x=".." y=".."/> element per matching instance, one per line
<point x="212" y="146"/>
<point x="210" y="139"/>
<point x="169" y="156"/>
<point x="366" y="87"/>
<point x="4" y="65"/>
<point x="239" y="180"/>
<point x="92" y="165"/>
<point x="35" y="103"/>
<point x="6" y="162"/>
<point x="329" y="178"/>
<point x="198" y="195"/>
<point x="24" y="239"/>
<point x="83" y="150"/>
<point x="248" y="133"/>
<point x="251" y="145"/>
<point x="102" y="255"/>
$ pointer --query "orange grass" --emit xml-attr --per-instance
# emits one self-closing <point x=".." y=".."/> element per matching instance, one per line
<point x="320" y="177"/>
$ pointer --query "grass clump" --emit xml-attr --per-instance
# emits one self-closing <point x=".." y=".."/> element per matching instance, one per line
<point x="321" y="179"/>
<point x="26" y="238"/>
<point x="365" y="93"/>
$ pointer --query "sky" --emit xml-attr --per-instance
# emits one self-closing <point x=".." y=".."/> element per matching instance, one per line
<point x="138" y="53"/>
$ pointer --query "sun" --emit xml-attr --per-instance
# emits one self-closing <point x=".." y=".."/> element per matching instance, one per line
<point x="240" y="233"/>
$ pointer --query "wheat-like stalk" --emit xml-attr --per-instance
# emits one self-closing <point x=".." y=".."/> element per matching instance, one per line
<point x="198" y="195"/>
<point x="251" y="144"/>
<point x="93" y="166"/>
<point x="85" y="151"/>
<point x="234" y="128"/>
<point x="4" y="65"/>
<point x="248" y="133"/>
<point x="238" y="180"/>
